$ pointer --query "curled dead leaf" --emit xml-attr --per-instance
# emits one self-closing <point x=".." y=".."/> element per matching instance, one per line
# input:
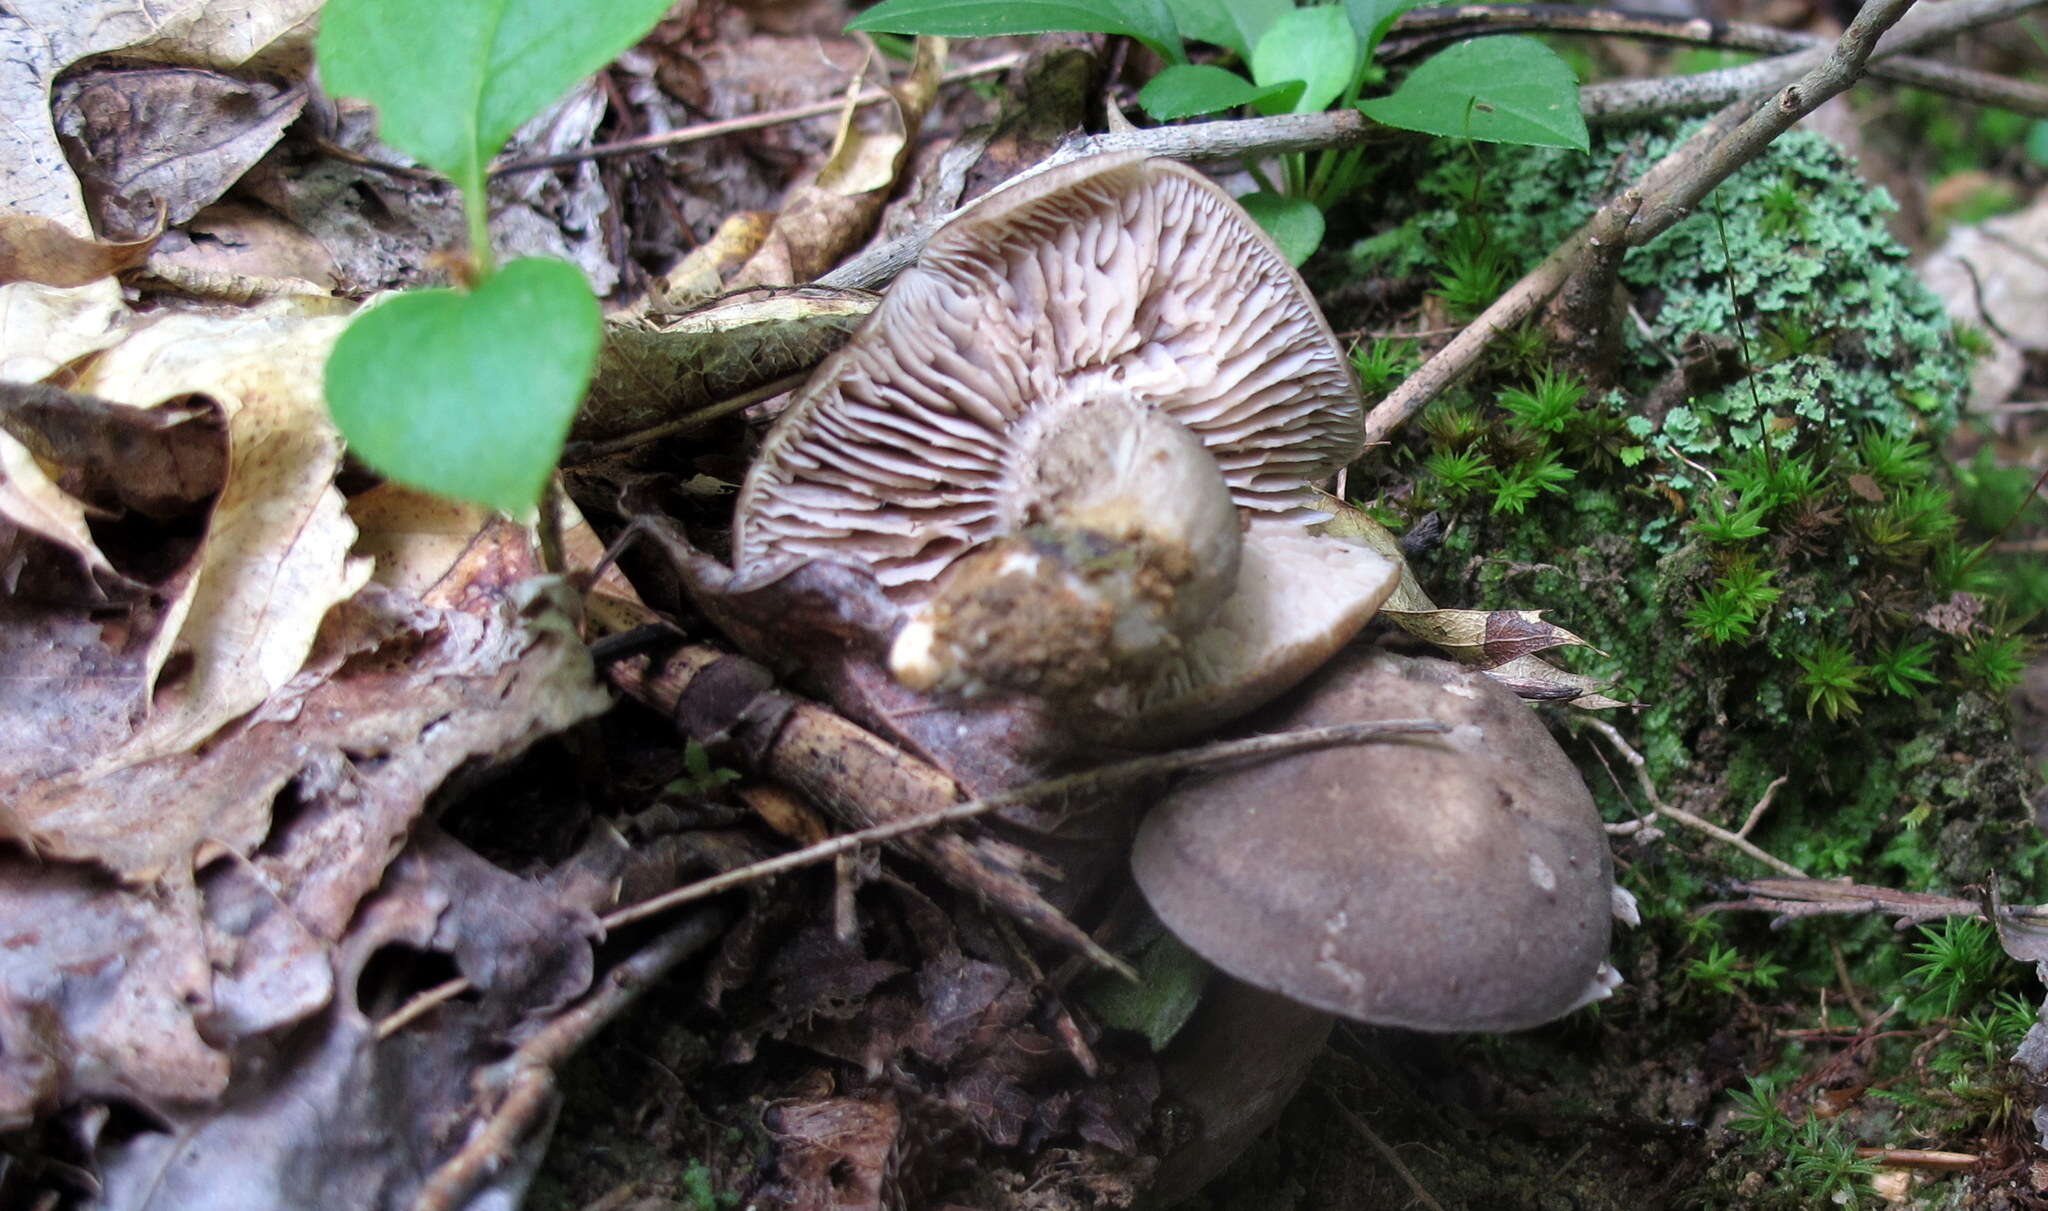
<point x="829" y="216"/>
<point x="1500" y="643"/>
<point x="34" y="249"/>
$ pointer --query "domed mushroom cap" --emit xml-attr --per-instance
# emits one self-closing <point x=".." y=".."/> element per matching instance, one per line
<point x="1446" y="883"/>
<point x="1111" y="277"/>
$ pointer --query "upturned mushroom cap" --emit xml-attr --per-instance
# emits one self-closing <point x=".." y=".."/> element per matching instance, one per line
<point x="1047" y="438"/>
<point x="1445" y="883"/>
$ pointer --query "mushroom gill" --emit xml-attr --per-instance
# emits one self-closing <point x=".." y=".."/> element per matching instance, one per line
<point x="1060" y="445"/>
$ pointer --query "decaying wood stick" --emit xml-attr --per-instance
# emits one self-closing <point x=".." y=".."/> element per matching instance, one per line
<point x="854" y="775"/>
<point x="1792" y="899"/>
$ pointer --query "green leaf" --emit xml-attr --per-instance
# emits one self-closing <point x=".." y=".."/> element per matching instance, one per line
<point x="1496" y="90"/>
<point x="1169" y="988"/>
<point x="1294" y="223"/>
<point x="1371" y="19"/>
<point x="453" y="79"/>
<point x="1184" y="91"/>
<point x="469" y="395"/>
<point x="1232" y="24"/>
<point x="1149" y="21"/>
<point x="1313" y="45"/>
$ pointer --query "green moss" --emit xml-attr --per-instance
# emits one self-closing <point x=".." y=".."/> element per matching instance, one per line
<point x="1803" y="498"/>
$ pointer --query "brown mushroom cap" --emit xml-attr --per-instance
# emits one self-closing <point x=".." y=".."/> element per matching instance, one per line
<point x="1115" y="276"/>
<point x="1455" y="882"/>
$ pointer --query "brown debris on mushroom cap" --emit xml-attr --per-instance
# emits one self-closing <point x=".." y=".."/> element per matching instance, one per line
<point x="1456" y="882"/>
<point x="1112" y="276"/>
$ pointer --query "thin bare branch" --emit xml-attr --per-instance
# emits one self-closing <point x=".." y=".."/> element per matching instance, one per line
<point x="1635" y="760"/>
<point x="1135" y="770"/>
<point x="525" y="1080"/>
<point x="733" y="126"/>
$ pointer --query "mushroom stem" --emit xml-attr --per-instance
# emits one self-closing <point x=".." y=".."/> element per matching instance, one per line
<point x="1122" y="541"/>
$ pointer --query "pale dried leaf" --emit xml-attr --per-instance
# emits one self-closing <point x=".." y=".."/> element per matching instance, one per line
<point x="1534" y="678"/>
<point x="45" y="328"/>
<point x="414" y="537"/>
<point x="274" y="35"/>
<point x="276" y="554"/>
<point x="1500" y="643"/>
<point x="29" y="500"/>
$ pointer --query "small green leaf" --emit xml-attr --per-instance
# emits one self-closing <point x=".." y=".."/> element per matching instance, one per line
<point x="1313" y="45"/>
<point x="453" y="79"/>
<point x="1371" y="19"/>
<point x="1170" y="982"/>
<point x="1185" y="91"/>
<point x="1149" y="21"/>
<point x="1231" y="24"/>
<point x="469" y="395"/>
<point x="1294" y="223"/>
<point x="1497" y="90"/>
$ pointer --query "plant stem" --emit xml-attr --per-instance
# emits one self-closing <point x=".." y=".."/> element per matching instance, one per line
<point x="476" y="207"/>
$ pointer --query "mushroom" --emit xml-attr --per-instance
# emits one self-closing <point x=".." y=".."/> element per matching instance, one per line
<point x="1442" y="883"/>
<point x="1074" y="446"/>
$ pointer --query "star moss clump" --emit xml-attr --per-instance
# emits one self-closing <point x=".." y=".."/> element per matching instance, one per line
<point x="1774" y="562"/>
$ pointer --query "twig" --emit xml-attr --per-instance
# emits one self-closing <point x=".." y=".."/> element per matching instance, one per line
<point x="1387" y="1154"/>
<point x="730" y="126"/>
<point x="526" y="1078"/>
<point x="406" y="1014"/>
<point x="1423" y="28"/>
<point x="1792" y="899"/>
<point x="1659" y="807"/>
<point x="1253" y="137"/>
<point x="1135" y="770"/>
<point x="1763" y="805"/>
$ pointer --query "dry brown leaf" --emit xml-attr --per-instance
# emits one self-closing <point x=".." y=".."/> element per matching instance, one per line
<point x="1485" y="639"/>
<point x="399" y="695"/>
<point x="824" y="219"/>
<point x="230" y="240"/>
<point x="146" y="142"/>
<point x="357" y="1120"/>
<point x="34" y="249"/>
